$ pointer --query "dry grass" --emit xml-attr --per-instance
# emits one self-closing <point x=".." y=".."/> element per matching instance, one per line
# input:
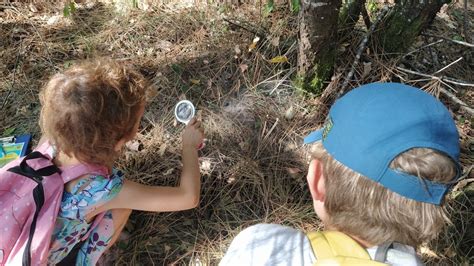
<point x="253" y="167"/>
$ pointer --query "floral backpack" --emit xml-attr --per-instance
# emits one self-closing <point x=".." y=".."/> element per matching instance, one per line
<point x="31" y="189"/>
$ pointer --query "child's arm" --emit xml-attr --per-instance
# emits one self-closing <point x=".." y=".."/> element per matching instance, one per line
<point x="158" y="198"/>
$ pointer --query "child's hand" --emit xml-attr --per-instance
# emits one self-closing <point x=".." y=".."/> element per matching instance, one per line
<point x="193" y="134"/>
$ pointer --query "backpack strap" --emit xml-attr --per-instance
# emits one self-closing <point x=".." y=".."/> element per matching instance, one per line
<point x="69" y="173"/>
<point x="381" y="252"/>
<point x="38" y="193"/>
<point x="46" y="149"/>
<point x="337" y="248"/>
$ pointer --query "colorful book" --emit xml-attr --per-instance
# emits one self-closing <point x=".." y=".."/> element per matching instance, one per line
<point x="13" y="147"/>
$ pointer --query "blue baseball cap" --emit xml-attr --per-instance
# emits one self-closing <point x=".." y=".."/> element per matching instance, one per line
<point x="371" y="125"/>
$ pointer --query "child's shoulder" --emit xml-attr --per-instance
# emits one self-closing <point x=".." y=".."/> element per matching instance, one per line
<point x="99" y="187"/>
<point x="269" y="244"/>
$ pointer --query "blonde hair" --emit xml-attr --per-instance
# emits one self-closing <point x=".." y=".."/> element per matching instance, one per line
<point x="87" y="109"/>
<point x="363" y="208"/>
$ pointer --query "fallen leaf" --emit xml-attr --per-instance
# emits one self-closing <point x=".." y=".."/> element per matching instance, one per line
<point x="243" y="67"/>
<point x="293" y="171"/>
<point x="168" y="172"/>
<point x="290" y="113"/>
<point x="164" y="46"/>
<point x="275" y="41"/>
<point x="279" y="59"/>
<point x="195" y="81"/>
<point x="162" y="149"/>
<point x="254" y="43"/>
<point x="53" y="20"/>
<point x="133" y="145"/>
<point x="33" y="8"/>
<point x="367" y="69"/>
<point x="206" y="165"/>
<point x="428" y="252"/>
<point x="237" y="49"/>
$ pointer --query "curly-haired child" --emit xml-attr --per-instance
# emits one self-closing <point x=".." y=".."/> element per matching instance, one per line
<point x="88" y="113"/>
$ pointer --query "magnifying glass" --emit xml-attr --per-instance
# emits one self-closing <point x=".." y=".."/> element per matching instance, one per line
<point x="184" y="111"/>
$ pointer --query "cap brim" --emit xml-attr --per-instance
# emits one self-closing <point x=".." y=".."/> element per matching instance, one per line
<point x="313" y="136"/>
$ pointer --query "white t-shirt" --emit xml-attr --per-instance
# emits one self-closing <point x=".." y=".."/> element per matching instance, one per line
<point x="272" y="244"/>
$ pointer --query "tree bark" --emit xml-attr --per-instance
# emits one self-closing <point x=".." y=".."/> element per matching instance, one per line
<point x="317" y="44"/>
<point x="404" y="23"/>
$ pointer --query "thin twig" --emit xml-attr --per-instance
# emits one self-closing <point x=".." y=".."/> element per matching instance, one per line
<point x="455" y="99"/>
<point x="445" y="79"/>
<point x="362" y="47"/>
<point x="458" y="82"/>
<point x="258" y="32"/>
<point x="423" y="47"/>
<point x="446" y="67"/>
<point x="451" y="40"/>
<point x="451" y="96"/>
<point x="287" y="75"/>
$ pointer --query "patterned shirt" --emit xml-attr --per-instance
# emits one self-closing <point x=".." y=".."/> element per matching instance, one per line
<point x="71" y="225"/>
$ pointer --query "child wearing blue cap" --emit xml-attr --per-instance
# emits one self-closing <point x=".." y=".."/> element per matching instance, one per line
<point x="381" y="165"/>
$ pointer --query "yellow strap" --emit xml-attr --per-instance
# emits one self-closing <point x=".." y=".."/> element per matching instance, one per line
<point x="336" y="248"/>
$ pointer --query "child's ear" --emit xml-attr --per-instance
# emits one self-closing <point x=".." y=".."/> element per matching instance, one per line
<point x="315" y="179"/>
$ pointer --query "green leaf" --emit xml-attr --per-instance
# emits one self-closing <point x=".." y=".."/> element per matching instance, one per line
<point x="268" y="8"/>
<point x="372" y="6"/>
<point x="9" y="131"/>
<point x="458" y="38"/>
<point x="72" y="6"/>
<point x="68" y="63"/>
<point x="69" y="9"/>
<point x="295" y="6"/>
<point x="66" y="11"/>
<point x="279" y="59"/>
<point x="177" y="68"/>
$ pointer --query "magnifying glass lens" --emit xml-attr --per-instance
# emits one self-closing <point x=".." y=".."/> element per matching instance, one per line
<point x="184" y="111"/>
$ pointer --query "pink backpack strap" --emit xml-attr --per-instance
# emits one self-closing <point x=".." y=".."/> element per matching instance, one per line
<point x="72" y="172"/>
<point x="46" y="149"/>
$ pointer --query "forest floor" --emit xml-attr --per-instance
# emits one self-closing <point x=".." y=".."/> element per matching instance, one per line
<point x="254" y="165"/>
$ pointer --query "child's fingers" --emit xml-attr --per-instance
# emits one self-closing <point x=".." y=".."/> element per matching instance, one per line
<point x="197" y="125"/>
<point x="192" y="121"/>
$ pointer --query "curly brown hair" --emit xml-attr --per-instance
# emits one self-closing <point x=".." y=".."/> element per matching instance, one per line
<point x="90" y="107"/>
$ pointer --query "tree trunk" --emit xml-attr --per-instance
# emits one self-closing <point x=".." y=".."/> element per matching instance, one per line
<point x="317" y="43"/>
<point x="397" y="32"/>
